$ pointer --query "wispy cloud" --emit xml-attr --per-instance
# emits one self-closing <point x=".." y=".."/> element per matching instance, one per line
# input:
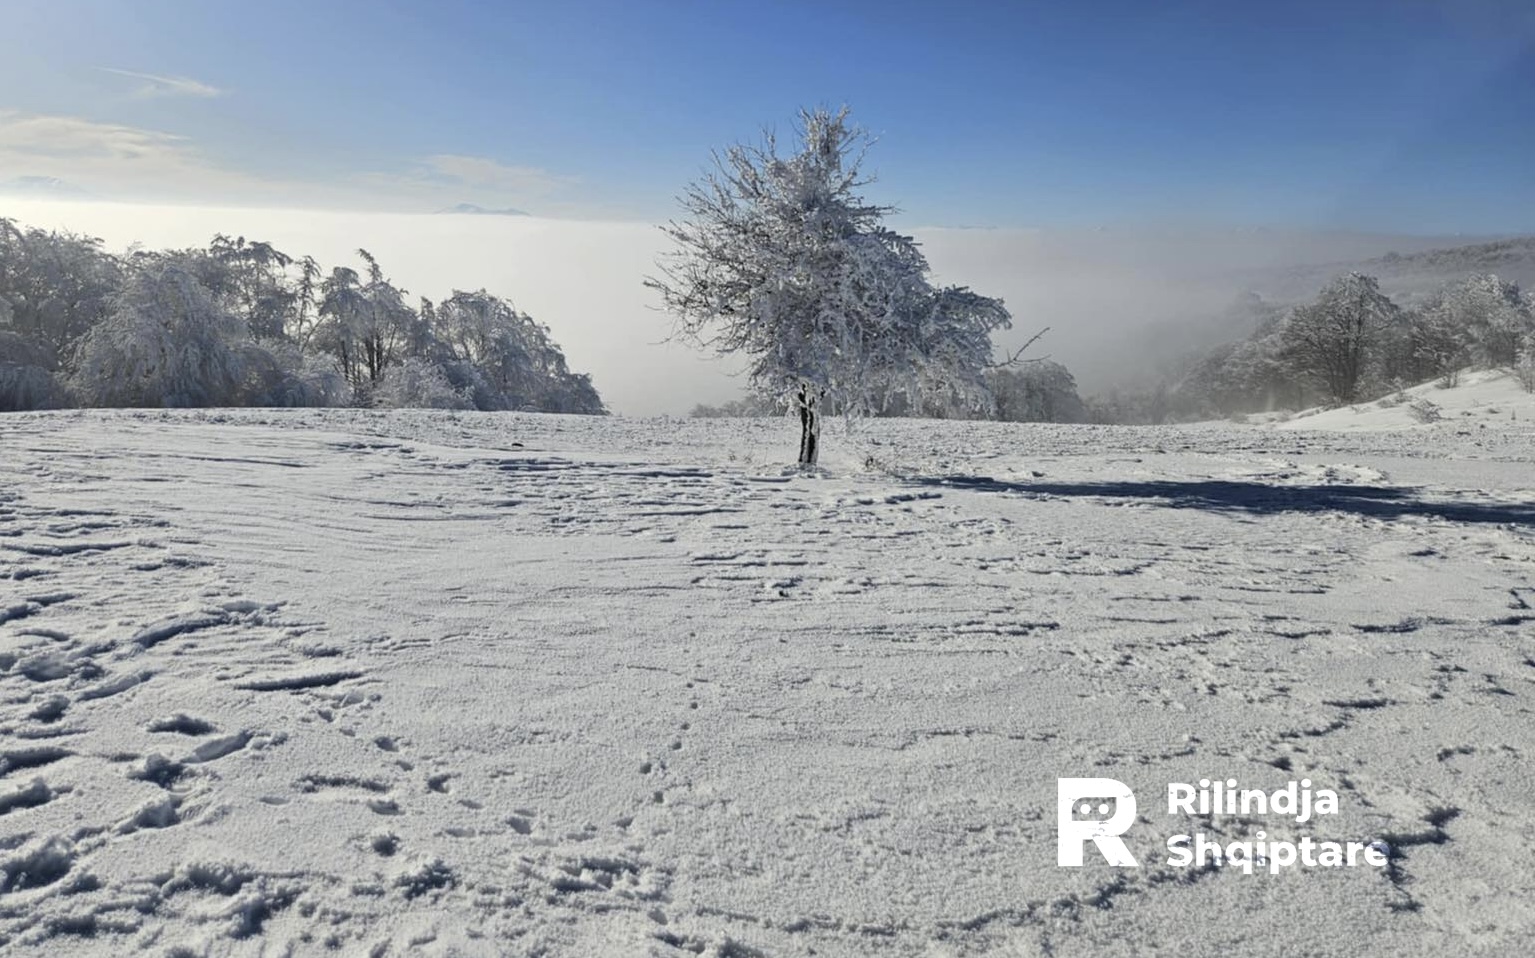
<point x="445" y="179"/>
<point x="152" y="86"/>
<point x="484" y="173"/>
<point x="71" y="138"/>
<point x="113" y="158"/>
<point x="120" y="161"/>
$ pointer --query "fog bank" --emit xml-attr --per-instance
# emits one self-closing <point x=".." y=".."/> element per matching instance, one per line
<point x="1098" y="290"/>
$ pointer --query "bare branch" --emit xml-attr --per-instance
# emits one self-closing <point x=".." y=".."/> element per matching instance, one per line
<point x="1015" y="360"/>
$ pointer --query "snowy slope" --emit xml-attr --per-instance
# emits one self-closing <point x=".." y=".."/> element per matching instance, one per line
<point x="438" y="683"/>
<point x="1480" y="399"/>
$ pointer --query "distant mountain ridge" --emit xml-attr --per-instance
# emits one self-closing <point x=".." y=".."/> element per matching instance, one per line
<point x="1409" y="277"/>
<point x="43" y="187"/>
<point x="1147" y="354"/>
<point x="470" y="209"/>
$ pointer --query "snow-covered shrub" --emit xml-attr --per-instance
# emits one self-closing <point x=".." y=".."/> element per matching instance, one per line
<point x="321" y="381"/>
<point x="25" y="380"/>
<point x="278" y="373"/>
<point x="468" y="380"/>
<point x="25" y="388"/>
<point x="747" y="407"/>
<point x="418" y="383"/>
<point x="1425" y="411"/>
<point x="1396" y="397"/>
<point x="1525" y="372"/>
<point x="574" y="393"/>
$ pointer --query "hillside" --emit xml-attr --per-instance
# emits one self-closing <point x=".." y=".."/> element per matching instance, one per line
<point x="1482" y="399"/>
<point x="471" y="209"/>
<point x="1148" y="352"/>
<point x="1408" y="277"/>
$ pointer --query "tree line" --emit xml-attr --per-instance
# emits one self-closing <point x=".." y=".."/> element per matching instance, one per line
<point x="241" y="323"/>
<point x="1352" y="344"/>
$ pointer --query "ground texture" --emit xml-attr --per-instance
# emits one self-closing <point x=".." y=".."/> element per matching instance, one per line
<point x="436" y="683"/>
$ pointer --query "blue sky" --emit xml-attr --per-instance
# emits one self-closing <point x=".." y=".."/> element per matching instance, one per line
<point x="1411" y="116"/>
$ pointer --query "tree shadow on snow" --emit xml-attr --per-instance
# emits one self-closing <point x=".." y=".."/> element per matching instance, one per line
<point x="1222" y="495"/>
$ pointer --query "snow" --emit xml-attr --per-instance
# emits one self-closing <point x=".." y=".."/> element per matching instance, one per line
<point x="1480" y="399"/>
<point x="458" y="683"/>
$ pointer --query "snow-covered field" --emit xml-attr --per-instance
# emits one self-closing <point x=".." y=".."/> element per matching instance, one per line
<point x="434" y="683"/>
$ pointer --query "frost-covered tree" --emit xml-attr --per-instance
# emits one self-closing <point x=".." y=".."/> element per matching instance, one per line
<point x="1041" y="391"/>
<point x="25" y="380"/>
<point x="249" y="278"/>
<point x="164" y="342"/>
<point x="1331" y="340"/>
<point x="1235" y="378"/>
<point x="1524" y="370"/>
<point x="366" y="324"/>
<point x="1434" y="343"/>
<point x="54" y="287"/>
<point x="239" y="322"/>
<point x="1492" y="317"/>
<point x="27" y="388"/>
<point x="509" y="350"/>
<point x="782" y="260"/>
<point x="343" y="313"/>
<point x="279" y="373"/>
<point x="304" y="316"/>
<point x="514" y="360"/>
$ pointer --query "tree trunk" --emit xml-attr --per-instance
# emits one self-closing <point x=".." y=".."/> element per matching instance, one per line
<point x="809" y="429"/>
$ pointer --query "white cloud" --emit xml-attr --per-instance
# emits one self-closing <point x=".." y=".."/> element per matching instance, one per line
<point x="71" y="137"/>
<point x="116" y="159"/>
<point x="152" y="86"/>
<point x="120" y="161"/>
<point x="483" y="173"/>
<point x="448" y="179"/>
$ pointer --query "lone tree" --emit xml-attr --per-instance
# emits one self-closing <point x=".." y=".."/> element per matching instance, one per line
<point x="781" y="259"/>
<point x="1332" y="339"/>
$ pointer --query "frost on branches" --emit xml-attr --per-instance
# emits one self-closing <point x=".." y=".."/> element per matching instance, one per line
<point x="241" y="323"/>
<point x="782" y="260"/>
<point x="1333" y="338"/>
<point x="164" y="342"/>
